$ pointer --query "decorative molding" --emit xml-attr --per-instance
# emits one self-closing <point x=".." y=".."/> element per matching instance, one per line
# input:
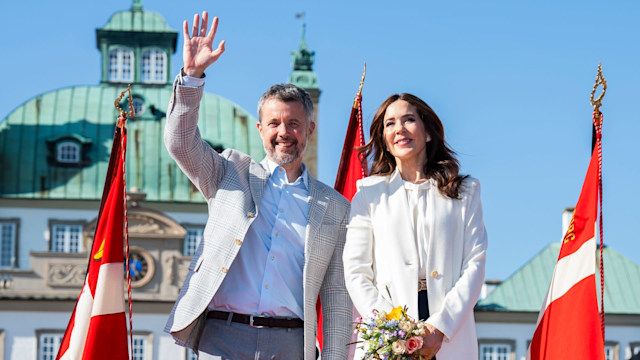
<point x="141" y="224"/>
<point x="6" y="282"/>
<point x="183" y="270"/>
<point x="66" y="275"/>
<point x="144" y="223"/>
<point x="171" y="272"/>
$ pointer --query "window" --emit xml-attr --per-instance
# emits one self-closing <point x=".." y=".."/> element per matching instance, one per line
<point x="68" y="152"/>
<point x="48" y="345"/>
<point x="192" y="240"/>
<point x="8" y="231"/>
<point x="66" y="238"/>
<point x="609" y="353"/>
<point x="154" y="66"/>
<point x="611" y="350"/>
<point x="120" y="65"/>
<point x="191" y="355"/>
<point x="635" y="350"/>
<point x="496" y="350"/>
<point x="1" y="344"/>
<point x="140" y="349"/>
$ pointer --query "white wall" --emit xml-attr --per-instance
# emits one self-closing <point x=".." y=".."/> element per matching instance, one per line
<point x="624" y="336"/>
<point x="522" y="334"/>
<point x="34" y="226"/>
<point x="21" y="342"/>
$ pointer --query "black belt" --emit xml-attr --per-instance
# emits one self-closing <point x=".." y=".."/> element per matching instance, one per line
<point x="257" y="321"/>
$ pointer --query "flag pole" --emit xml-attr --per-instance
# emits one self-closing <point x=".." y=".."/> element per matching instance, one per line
<point x="571" y="303"/>
<point x="364" y="72"/>
<point x="597" y="102"/>
<point x="596" y="145"/>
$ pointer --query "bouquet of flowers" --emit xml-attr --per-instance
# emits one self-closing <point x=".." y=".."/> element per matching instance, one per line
<point x="391" y="336"/>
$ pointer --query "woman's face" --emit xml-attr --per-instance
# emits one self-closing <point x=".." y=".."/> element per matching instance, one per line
<point x="404" y="134"/>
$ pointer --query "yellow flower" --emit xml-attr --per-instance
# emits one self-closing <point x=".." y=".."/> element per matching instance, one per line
<point x="395" y="313"/>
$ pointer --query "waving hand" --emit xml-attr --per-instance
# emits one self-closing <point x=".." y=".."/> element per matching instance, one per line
<point x="198" y="52"/>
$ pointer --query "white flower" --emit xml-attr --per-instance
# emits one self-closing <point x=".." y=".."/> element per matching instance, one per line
<point x="398" y="347"/>
<point x="406" y="326"/>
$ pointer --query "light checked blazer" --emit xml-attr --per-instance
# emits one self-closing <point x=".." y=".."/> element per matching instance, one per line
<point x="381" y="257"/>
<point x="233" y="184"/>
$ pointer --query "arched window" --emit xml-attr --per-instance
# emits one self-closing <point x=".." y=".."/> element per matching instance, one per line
<point x="120" y="64"/>
<point x="68" y="152"/>
<point x="154" y="66"/>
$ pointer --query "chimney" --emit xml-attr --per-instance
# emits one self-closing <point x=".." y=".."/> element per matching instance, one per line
<point x="567" y="214"/>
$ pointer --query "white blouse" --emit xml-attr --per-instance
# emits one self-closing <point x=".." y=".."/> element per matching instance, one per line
<point x="417" y="199"/>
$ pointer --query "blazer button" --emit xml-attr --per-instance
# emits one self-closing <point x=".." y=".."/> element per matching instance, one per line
<point x="224" y="269"/>
<point x="250" y="214"/>
<point x="238" y="242"/>
<point x="435" y="274"/>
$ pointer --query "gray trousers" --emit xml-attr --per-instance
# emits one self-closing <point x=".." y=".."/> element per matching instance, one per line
<point x="226" y="340"/>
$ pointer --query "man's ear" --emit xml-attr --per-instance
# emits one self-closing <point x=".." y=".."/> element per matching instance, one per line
<point x="259" y="126"/>
<point x="312" y="127"/>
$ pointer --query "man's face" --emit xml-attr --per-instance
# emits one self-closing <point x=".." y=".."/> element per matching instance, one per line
<point x="284" y="130"/>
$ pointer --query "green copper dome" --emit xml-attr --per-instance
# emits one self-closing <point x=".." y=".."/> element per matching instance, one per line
<point x="137" y="19"/>
<point x="85" y="115"/>
<point x="57" y="144"/>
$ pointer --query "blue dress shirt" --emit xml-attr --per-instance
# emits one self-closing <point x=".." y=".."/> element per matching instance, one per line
<point x="266" y="277"/>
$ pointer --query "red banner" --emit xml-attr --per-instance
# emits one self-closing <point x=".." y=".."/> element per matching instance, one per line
<point x="97" y="329"/>
<point x="569" y="322"/>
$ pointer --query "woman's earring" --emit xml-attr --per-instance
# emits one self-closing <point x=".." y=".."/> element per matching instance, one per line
<point x="428" y="138"/>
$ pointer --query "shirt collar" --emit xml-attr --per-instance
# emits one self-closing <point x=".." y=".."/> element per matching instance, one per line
<point x="272" y="167"/>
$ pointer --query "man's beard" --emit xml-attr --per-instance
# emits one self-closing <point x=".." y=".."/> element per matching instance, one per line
<point x="285" y="158"/>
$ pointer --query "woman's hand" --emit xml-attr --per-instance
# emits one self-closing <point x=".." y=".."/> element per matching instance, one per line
<point x="198" y="52"/>
<point x="432" y="342"/>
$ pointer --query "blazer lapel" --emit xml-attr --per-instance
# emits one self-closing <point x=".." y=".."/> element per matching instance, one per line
<point x="317" y="207"/>
<point x="258" y="176"/>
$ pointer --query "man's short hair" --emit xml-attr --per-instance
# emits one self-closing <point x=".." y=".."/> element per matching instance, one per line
<point x="288" y="93"/>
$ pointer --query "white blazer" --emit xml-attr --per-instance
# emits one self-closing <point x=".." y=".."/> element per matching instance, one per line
<point x="381" y="261"/>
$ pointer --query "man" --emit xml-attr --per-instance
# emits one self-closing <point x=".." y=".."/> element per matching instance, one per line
<point x="274" y="237"/>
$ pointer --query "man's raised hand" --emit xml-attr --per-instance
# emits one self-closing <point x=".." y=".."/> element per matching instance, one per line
<point x="198" y="52"/>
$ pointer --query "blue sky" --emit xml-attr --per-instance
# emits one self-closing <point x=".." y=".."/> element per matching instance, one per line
<point x="509" y="79"/>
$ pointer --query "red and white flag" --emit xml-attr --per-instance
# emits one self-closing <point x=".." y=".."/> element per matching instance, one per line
<point x="351" y="168"/>
<point x="98" y="329"/>
<point x="569" y="324"/>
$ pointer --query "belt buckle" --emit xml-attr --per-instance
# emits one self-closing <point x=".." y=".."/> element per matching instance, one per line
<point x="422" y="284"/>
<point x="251" y="323"/>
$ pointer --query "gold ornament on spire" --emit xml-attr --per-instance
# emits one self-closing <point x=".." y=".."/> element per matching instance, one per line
<point x="600" y="80"/>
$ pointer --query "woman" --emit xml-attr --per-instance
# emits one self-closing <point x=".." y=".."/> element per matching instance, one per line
<point x="416" y="221"/>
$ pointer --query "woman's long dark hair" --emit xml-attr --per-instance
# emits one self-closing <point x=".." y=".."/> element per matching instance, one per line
<point x="441" y="163"/>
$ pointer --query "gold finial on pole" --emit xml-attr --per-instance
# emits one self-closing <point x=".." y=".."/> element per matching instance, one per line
<point x="364" y="72"/>
<point x="600" y="80"/>
<point x="123" y="115"/>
